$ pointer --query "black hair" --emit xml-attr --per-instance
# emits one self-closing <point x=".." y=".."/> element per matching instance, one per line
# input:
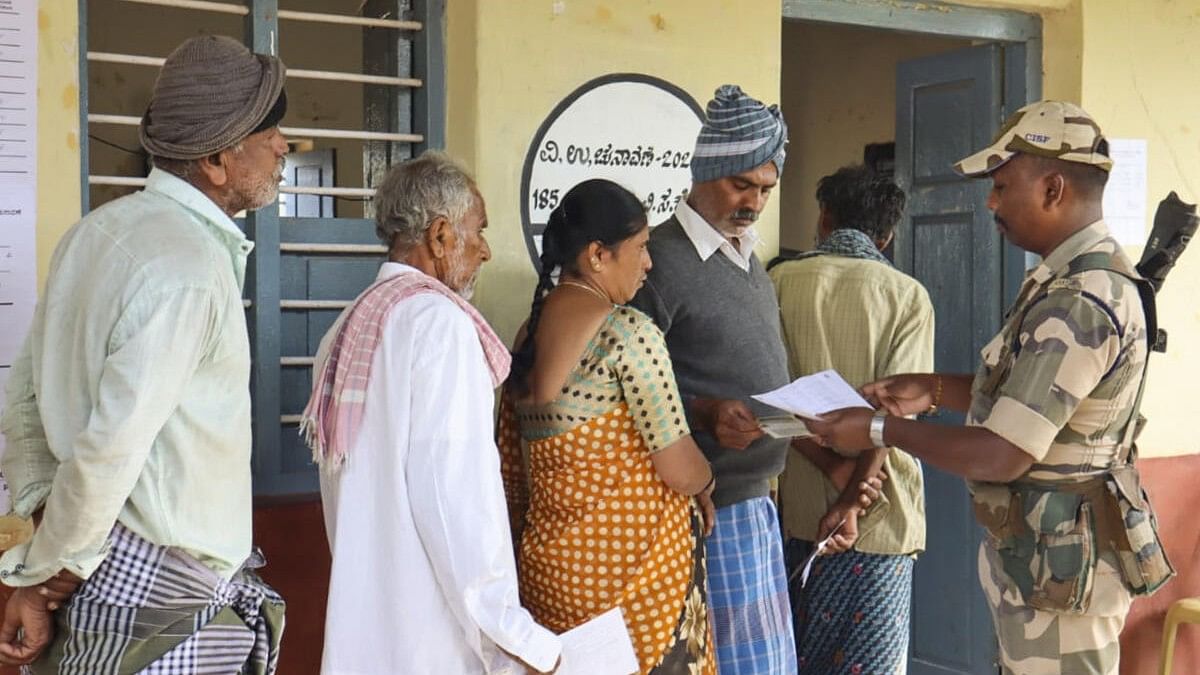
<point x="858" y="197"/>
<point x="596" y="210"/>
<point x="1087" y="179"/>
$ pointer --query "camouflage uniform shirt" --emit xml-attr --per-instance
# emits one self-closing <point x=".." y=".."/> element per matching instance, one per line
<point x="1070" y="389"/>
<point x="1065" y="399"/>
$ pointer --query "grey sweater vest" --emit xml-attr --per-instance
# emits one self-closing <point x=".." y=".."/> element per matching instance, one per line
<point x="723" y="334"/>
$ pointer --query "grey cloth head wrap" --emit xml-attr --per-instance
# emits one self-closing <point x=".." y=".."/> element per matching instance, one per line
<point x="211" y="93"/>
<point x="740" y="134"/>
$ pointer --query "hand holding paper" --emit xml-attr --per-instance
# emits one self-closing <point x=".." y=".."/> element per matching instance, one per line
<point x="846" y="431"/>
<point x="804" y="569"/>
<point x="599" y="647"/>
<point x="783" y="426"/>
<point x="730" y="421"/>
<point x="814" y="395"/>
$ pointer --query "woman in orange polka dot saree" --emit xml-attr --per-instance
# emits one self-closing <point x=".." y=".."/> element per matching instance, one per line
<point x="610" y="501"/>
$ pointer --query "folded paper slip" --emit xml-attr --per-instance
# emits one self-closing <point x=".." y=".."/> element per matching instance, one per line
<point x="783" y="426"/>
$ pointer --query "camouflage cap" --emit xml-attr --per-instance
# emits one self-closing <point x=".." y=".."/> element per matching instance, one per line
<point x="1054" y="129"/>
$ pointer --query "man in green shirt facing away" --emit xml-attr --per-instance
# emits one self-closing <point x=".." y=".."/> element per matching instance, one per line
<point x="844" y="306"/>
<point x="128" y="408"/>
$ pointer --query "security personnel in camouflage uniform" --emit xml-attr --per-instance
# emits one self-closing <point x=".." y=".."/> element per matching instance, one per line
<point x="1051" y="411"/>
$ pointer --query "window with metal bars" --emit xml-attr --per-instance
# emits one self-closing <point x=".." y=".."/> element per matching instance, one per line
<point x="365" y="90"/>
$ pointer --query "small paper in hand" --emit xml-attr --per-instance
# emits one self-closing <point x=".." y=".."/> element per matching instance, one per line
<point x="783" y="426"/>
<point x="804" y="569"/>
<point x="598" y="647"/>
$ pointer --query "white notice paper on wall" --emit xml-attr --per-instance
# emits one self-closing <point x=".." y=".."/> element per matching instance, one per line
<point x="18" y="182"/>
<point x="599" y="647"/>
<point x="1125" y="194"/>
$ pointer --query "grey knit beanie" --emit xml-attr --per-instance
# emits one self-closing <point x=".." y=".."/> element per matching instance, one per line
<point x="211" y="93"/>
<point x="739" y="134"/>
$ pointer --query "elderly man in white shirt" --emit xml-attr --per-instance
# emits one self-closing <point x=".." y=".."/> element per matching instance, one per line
<point x="423" y="578"/>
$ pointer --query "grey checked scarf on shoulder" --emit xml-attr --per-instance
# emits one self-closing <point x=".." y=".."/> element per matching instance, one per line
<point x="845" y="242"/>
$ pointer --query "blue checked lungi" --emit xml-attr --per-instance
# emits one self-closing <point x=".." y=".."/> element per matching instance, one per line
<point x="153" y="610"/>
<point x="852" y="617"/>
<point x="747" y="591"/>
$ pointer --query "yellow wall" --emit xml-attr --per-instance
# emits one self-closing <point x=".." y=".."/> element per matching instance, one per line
<point x="1062" y="40"/>
<point x="1140" y="83"/>
<point x="58" y="126"/>
<point x="839" y="94"/>
<point x="510" y="63"/>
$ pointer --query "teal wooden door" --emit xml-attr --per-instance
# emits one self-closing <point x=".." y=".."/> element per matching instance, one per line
<point x="948" y="106"/>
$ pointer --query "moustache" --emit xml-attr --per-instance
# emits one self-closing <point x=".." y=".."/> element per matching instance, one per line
<point x="999" y="221"/>
<point x="745" y="214"/>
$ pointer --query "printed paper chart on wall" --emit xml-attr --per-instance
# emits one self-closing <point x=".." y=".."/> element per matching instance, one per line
<point x="1125" y="193"/>
<point x="634" y="129"/>
<point x="18" y="180"/>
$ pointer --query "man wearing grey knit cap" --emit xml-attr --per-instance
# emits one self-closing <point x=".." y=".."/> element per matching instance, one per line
<point x="712" y="299"/>
<point x="128" y="418"/>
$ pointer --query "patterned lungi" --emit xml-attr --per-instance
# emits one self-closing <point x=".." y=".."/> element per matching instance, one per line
<point x="748" y="597"/>
<point x="852" y="618"/>
<point x="154" y="610"/>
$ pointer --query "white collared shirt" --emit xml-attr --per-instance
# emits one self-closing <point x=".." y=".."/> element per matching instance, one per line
<point x="423" y="578"/>
<point x="708" y="240"/>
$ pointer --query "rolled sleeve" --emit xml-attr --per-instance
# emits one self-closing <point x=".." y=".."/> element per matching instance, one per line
<point x="1022" y="426"/>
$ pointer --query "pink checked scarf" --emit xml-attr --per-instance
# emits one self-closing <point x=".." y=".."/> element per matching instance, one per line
<point x="334" y="412"/>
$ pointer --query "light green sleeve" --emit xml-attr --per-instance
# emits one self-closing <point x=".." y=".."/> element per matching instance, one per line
<point x="157" y="345"/>
<point x="28" y="464"/>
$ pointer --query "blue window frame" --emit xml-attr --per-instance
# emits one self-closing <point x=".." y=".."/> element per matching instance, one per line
<point x="304" y="270"/>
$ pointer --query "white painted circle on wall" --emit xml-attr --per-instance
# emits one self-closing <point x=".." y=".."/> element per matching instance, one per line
<point x="633" y="129"/>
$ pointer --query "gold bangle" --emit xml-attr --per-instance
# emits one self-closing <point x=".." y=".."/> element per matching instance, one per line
<point x="937" y="397"/>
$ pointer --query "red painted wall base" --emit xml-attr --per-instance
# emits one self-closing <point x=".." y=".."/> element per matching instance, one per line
<point x="293" y="538"/>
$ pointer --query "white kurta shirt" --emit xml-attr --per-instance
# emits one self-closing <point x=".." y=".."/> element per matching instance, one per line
<point x="423" y="578"/>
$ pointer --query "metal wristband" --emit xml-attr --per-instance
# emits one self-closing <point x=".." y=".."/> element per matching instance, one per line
<point x="876" y="429"/>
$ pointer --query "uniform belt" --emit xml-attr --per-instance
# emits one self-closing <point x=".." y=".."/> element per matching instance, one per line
<point x="1110" y="529"/>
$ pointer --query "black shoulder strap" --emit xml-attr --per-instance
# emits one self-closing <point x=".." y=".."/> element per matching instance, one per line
<point x="1156" y="339"/>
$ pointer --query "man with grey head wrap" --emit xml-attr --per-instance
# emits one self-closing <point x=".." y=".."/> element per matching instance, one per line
<point x="128" y="418"/>
<point x="712" y="299"/>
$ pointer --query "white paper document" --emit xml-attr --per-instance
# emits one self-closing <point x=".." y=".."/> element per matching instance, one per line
<point x="599" y="647"/>
<point x="1125" y="193"/>
<point x="18" y="182"/>
<point x="814" y="395"/>
<point x="804" y="569"/>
